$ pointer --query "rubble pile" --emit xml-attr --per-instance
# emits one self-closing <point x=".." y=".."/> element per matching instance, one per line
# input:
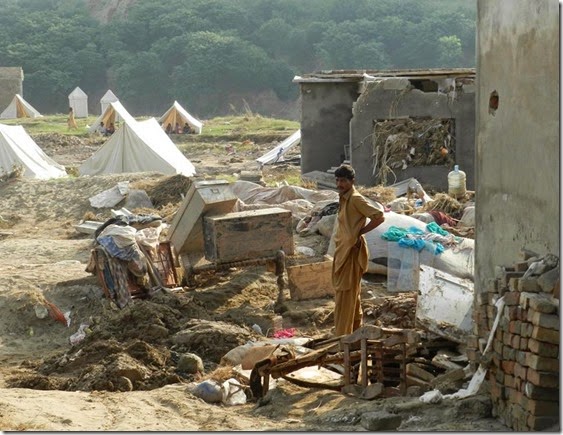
<point x="522" y="303"/>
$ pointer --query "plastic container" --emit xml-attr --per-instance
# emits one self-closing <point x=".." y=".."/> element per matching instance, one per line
<point x="456" y="183"/>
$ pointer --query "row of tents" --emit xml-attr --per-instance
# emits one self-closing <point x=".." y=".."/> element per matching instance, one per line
<point x="136" y="146"/>
<point x="20" y="108"/>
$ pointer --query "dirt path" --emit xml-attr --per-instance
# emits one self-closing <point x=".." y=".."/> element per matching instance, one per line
<point x="45" y="258"/>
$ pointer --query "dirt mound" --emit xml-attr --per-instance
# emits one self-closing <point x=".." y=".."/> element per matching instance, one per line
<point x="392" y="311"/>
<point x="168" y="190"/>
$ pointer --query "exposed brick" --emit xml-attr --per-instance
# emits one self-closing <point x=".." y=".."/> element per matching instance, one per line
<point x="528" y="285"/>
<point x="514" y="327"/>
<point x="543" y="349"/>
<point x="548" y="280"/>
<point x="549" y="321"/>
<point x="544" y="334"/>
<point x="535" y="392"/>
<point x="499" y="376"/>
<point x="508" y="367"/>
<point x="482" y="298"/>
<point x="543" y="304"/>
<point x="508" y="353"/>
<point x="497" y="390"/>
<point x="511" y="312"/>
<point x="497" y="346"/>
<point x="520" y="371"/>
<point x="515" y="344"/>
<point x="541" y="423"/>
<point x="512" y="298"/>
<point x="543" y="379"/>
<point x="526" y="329"/>
<point x="542" y="408"/>
<point x="513" y="284"/>
<point x="523" y="343"/>
<point x="521" y="358"/>
<point x="509" y="381"/>
<point x="503" y="324"/>
<point x="541" y="363"/>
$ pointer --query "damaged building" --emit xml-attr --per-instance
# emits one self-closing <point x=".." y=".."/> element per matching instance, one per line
<point x="391" y="124"/>
<point x="517" y="218"/>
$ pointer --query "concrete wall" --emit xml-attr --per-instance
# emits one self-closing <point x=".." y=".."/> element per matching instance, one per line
<point x="517" y="149"/>
<point x="11" y="79"/>
<point x="391" y="99"/>
<point x="326" y="109"/>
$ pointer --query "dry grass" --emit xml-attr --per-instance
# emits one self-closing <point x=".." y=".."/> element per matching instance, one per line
<point x="381" y="194"/>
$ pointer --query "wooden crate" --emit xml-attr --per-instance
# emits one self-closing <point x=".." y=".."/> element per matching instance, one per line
<point x="310" y="281"/>
<point x="248" y="234"/>
<point x="212" y="197"/>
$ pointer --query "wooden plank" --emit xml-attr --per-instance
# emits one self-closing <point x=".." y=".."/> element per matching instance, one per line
<point x="310" y="281"/>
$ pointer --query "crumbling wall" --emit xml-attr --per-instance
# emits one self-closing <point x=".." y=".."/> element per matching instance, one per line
<point x="518" y="131"/>
<point x="326" y="109"/>
<point x="11" y="79"/>
<point x="523" y="358"/>
<point x="394" y="99"/>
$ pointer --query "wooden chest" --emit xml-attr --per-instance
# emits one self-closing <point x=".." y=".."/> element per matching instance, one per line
<point x="310" y="281"/>
<point x="247" y="235"/>
<point x="202" y="198"/>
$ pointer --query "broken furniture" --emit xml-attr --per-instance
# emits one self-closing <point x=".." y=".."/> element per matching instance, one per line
<point x="381" y="359"/>
<point x="162" y="268"/>
<point x="210" y="236"/>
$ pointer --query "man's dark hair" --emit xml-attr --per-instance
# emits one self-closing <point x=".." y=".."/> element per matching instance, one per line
<point x="345" y="171"/>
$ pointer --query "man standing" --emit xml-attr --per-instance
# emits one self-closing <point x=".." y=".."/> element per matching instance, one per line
<point x="351" y="253"/>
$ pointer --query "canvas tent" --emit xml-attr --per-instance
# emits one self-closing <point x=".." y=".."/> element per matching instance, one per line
<point x="19" y="108"/>
<point x="114" y="112"/>
<point x="177" y="114"/>
<point x="276" y="154"/>
<point x="109" y="97"/>
<point x="17" y="148"/>
<point x="138" y="146"/>
<point x="78" y="100"/>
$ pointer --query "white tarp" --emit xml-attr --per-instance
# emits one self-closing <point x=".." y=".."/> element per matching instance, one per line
<point x="19" y="108"/>
<point x="177" y="114"/>
<point x="18" y="148"/>
<point x="138" y="147"/>
<point x="114" y="112"/>
<point x="276" y="154"/>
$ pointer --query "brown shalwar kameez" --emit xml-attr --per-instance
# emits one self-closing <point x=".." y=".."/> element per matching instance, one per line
<point x="350" y="262"/>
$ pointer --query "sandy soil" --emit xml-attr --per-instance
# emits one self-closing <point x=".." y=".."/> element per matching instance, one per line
<point x="47" y="384"/>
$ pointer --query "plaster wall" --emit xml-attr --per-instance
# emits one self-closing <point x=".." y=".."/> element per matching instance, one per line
<point x="11" y="79"/>
<point x="326" y="110"/>
<point x="517" y="149"/>
<point x="381" y="101"/>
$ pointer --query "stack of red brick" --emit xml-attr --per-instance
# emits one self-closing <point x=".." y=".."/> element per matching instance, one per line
<point x="523" y="363"/>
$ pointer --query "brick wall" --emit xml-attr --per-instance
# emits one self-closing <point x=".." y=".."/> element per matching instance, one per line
<point x="11" y="79"/>
<point x="523" y="361"/>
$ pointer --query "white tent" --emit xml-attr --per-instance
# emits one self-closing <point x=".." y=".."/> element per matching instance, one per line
<point x="109" y="97"/>
<point x="19" y="108"/>
<point x="138" y="147"/>
<point x="114" y="112"/>
<point x="276" y="154"/>
<point x="177" y="114"/>
<point x="78" y="100"/>
<point x="17" y="148"/>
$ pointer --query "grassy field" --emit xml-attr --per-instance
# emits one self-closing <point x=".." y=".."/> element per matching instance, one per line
<point x="251" y="128"/>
